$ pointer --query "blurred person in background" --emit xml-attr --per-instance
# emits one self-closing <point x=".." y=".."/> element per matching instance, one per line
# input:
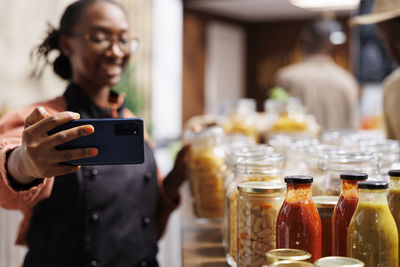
<point x="328" y="92"/>
<point x="92" y="215"/>
<point x="386" y="15"/>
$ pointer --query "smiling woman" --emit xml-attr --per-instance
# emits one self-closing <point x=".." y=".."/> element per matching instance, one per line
<point x="92" y="215"/>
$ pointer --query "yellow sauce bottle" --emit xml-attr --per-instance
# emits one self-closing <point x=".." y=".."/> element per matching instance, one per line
<point x="372" y="236"/>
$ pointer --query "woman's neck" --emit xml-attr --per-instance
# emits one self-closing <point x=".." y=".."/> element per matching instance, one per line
<point x="100" y="95"/>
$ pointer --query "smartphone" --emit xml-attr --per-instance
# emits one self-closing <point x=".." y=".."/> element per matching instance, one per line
<point x="119" y="141"/>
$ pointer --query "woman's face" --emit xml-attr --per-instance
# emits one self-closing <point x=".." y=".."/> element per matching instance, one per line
<point x="100" y="48"/>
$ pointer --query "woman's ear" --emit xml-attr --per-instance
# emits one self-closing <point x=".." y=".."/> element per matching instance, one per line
<point x="65" y="45"/>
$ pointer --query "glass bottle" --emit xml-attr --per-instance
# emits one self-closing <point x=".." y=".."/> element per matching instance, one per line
<point x="299" y="224"/>
<point x="206" y="169"/>
<point x="255" y="168"/>
<point x="257" y="211"/>
<point x="372" y="236"/>
<point x="325" y="206"/>
<point x="394" y="195"/>
<point x="344" y="210"/>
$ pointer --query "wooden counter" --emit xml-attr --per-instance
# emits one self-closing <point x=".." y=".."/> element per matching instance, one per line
<point x="201" y="241"/>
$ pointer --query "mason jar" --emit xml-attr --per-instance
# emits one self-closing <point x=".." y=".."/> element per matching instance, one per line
<point x="257" y="211"/>
<point x="206" y="170"/>
<point x="334" y="164"/>
<point x="282" y="254"/>
<point x="265" y="168"/>
<point x="241" y="117"/>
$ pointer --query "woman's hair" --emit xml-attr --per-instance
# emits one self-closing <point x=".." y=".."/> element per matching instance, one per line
<point x="62" y="64"/>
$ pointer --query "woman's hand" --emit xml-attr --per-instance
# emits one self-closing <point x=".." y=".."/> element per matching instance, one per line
<point x="178" y="173"/>
<point x="37" y="157"/>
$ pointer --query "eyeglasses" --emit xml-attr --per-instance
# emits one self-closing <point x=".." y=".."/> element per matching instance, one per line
<point x="103" y="41"/>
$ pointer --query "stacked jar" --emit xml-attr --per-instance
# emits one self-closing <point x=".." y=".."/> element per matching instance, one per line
<point x="256" y="168"/>
<point x="257" y="211"/>
<point x="232" y="155"/>
<point x="206" y="170"/>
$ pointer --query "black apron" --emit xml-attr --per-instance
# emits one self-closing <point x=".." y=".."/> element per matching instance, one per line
<point x="99" y="216"/>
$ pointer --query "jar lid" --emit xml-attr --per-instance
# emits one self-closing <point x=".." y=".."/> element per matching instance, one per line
<point x="292" y="264"/>
<point x="287" y="254"/>
<point x="373" y="185"/>
<point x="353" y="176"/>
<point x="338" y="261"/>
<point x="261" y="187"/>
<point x="299" y="179"/>
<point x="394" y="173"/>
<point x="325" y="201"/>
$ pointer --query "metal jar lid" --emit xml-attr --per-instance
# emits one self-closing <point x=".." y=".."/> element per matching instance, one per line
<point x="287" y="254"/>
<point x="288" y="263"/>
<point x="325" y="202"/>
<point x="261" y="187"/>
<point x="338" y="262"/>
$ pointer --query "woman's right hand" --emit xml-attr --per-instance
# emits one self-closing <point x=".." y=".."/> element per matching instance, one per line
<point x="37" y="157"/>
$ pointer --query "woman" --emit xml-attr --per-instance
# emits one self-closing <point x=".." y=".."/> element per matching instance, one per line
<point x="83" y="216"/>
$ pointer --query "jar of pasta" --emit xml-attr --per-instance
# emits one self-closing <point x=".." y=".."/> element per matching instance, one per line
<point x="336" y="163"/>
<point x="266" y="168"/>
<point x="241" y="117"/>
<point x="206" y="169"/>
<point x="258" y="207"/>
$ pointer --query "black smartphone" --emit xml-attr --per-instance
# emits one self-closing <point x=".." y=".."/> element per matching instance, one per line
<point x="119" y="141"/>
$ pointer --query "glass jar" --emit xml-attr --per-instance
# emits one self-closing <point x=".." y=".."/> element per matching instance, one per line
<point x="338" y="262"/>
<point x="241" y="117"/>
<point x="264" y="168"/>
<point x="258" y="207"/>
<point x="394" y="196"/>
<point x="286" y="116"/>
<point x="338" y="162"/>
<point x="281" y="254"/>
<point x="206" y="169"/>
<point x="344" y="210"/>
<point x="232" y="155"/>
<point x="386" y="151"/>
<point x="299" y="224"/>
<point x="296" y="156"/>
<point x="313" y="156"/>
<point x="372" y="236"/>
<point x="289" y="263"/>
<point x="325" y="206"/>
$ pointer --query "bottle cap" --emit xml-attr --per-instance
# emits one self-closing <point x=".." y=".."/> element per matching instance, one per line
<point x="353" y="176"/>
<point x="373" y="185"/>
<point x="299" y="179"/>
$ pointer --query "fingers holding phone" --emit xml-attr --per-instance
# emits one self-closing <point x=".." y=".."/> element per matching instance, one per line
<point x="37" y="157"/>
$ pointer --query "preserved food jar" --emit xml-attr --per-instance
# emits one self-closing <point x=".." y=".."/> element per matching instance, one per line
<point x="344" y="210"/>
<point x="338" y="262"/>
<point x="206" y="170"/>
<point x="258" y="207"/>
<point x="372" y="236"/>
<point x="345" y="161"/>
<point x="241" y="117"/>
<point x="255" y="168"/>
<point x="325" y="206"/>
<point x="394" y="195"/>
<point x="299" y="224"/>
<point x="281" y="254"/>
